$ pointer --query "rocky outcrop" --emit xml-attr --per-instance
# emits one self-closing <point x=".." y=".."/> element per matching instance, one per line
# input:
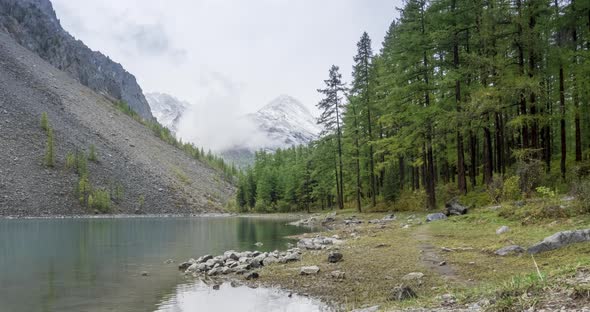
<point x="559" y="240"/>
<point x="34" y="25"/>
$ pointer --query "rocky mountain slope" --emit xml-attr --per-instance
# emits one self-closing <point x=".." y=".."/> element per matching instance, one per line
<point x="167" y="109"/>
<point x="34" y="24"/>
<point x="154" y="177"/>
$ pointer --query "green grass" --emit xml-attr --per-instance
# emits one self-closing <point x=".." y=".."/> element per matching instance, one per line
<point x="478" y="273"/>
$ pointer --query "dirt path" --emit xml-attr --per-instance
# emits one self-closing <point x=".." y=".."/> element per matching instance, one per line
<point x="432" y="259"/>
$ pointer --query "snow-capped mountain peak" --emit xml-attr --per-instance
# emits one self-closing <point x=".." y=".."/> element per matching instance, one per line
<point x="167" y="109"/>
<point x="286" y="121"/>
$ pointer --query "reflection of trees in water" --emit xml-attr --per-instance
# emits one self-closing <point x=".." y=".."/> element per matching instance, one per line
<point x="95" y="263"/>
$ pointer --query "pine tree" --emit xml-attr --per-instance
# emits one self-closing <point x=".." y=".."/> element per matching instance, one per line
<point x="330" y="119"/>
<point x="361" y="88"/>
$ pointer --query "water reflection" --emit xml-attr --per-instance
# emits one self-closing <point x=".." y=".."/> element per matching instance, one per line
<point x="201" y="297"/>
<point x="95" y="264"/>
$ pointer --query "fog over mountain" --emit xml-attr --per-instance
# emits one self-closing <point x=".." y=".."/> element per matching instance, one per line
<point x="282" y="123"/>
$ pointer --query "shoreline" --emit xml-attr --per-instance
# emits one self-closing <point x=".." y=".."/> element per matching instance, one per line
<point x="450" y="265"/>
<point x="145" y="216"/>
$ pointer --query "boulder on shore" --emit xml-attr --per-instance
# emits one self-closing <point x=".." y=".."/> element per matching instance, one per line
<point x="435" y="216"/>
<point x="512" y="249"/>
<point x="559" y="240"/>
<point x="334" y="257"/>
<point x="455" y="209"/>
<point x="309" y="270"/>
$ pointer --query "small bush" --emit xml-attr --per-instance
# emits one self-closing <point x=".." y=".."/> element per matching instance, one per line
<point x="83" y="189"/>
<point x="81" y="164"/>
<point x="49" y="150"/>
<point x="181" y="176"/>
<point x="70" y="161"/>
<point x="101" y="201"/>
<point x="141" y="201"/>
<point x="511" y="189"/>
<point x="581" y="191"/>
<point x="411" y="201"/>
<point x="535" y="212"/>
<point x="44" y="122"/>
<point x="92" y="153"/>
<point x="495" y="189"/>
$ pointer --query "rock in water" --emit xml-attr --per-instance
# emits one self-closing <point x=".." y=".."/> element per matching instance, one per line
<point x="435" y="216"/>
<point x="513" y="249"/>
<point x="334" y="257"/>
<point x="183" y="266"/>
<point x="455" y="209"/>
<point x="145" y="273"/>
<point x="559" y="240"/>
<point x="503" y="229"/>
<point x="309" y="270"/>
<point x="401" y="293"/>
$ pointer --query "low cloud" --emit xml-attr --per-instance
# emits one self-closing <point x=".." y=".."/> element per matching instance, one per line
<point x="215" y="120"/>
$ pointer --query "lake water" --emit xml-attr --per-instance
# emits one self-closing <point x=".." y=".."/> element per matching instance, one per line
<point x="96" y="264"/>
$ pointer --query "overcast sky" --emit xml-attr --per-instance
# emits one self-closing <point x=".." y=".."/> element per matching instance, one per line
<point x="245" y="53"/>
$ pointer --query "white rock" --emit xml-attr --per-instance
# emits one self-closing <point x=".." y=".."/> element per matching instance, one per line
<point x="413" y="276"/>
<point x="503" y="229"/>
<point x="309" y="270"/>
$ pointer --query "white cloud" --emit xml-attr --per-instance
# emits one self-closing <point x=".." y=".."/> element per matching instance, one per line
<point x="195" y="49"/>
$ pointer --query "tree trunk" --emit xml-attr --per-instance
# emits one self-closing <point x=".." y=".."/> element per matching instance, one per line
<point x="473" y="158"/>
<point x="562" y="122"/>
<point x="576" y="98"/>
<point x="487" y="150"/>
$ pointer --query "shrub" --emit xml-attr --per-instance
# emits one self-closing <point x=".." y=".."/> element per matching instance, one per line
<point x="81" y="164"/>
<point x="141" y="201"/>
<point x="411" y="201"/>
<point x="511" y="189"/>
<point x="49" y="150"/>
<point x="529" y="169"/>
<point x="70" y="161"/>
<point x="546" y="192"/>
<point x="92" y="153"/>
<point x="495" y="189"/>
<point x="581" y="191"/>
<point x="83" y="189"/>
<point x="101" y="201"/>
<point x="44" y="122"/>
<point x="182" y="177"/>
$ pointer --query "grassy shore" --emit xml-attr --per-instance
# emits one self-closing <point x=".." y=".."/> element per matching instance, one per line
<point x="378" y="256"/>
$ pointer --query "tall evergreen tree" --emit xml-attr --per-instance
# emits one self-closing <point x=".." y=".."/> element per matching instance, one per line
<point x="331" y="119"/>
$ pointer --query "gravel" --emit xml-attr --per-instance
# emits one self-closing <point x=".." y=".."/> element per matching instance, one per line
<point x="129" y="154"/>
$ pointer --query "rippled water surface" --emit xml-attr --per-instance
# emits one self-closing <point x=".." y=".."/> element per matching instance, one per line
<point x="96" y="264"/>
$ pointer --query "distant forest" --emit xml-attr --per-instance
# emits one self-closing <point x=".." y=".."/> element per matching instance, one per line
<point x="463" y="97"/>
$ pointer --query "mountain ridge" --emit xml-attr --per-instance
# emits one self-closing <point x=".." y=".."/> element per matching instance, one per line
<point x="153" y="176"/>
<point x="35" y="26"/>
